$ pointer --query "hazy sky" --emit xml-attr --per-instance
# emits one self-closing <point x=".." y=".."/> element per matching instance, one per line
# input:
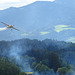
<point x="17" y="3"/>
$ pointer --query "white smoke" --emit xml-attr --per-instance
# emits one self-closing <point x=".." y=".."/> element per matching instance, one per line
<point x="3" y="28"/>
<point x="15" y="53"/>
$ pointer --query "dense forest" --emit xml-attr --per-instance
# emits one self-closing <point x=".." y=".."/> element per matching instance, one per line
<point x="46" y="57"/>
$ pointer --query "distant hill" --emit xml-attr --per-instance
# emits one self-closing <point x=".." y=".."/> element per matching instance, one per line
<point x="38" y="20"/>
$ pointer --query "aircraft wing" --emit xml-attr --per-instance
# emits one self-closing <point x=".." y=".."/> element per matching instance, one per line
<point x="5" y="24"/>
<point x="15" y="28"/>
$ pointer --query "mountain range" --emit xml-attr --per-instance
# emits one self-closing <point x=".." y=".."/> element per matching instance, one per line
<point x="40" y="20"/>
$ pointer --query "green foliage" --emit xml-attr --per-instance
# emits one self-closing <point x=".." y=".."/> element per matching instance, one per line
<point x="63" y="70"/>
<point x="22" y="73"/>
<point x="55" y="61"/>
<point x="7" y="68"/>
<point x="70" y="66"/>
<point x="50" y="59"/>
<point x="33" y="65"/>
<point x="41" y="67"/>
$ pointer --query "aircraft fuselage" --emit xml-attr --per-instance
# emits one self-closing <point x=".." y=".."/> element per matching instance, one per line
<point x="10" y="26"/>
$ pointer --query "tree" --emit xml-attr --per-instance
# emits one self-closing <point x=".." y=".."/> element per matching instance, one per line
<point x="22" y="73"/>
<point x="41" y="67"/>
<point x="55" y="61"/>
<point x="63" y="70"/>
<point x="8" y="68"/>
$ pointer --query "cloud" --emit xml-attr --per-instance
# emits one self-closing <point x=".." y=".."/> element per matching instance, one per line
<point x="71" y="39"/>
<point x="17" y="3"/>
<point x="44" y="33"/>
<point x="47" y="0"/>
<point x="8" y="1"/>
<point x="59" y="28"/>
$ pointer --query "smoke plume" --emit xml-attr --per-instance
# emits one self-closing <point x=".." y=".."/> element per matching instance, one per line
<point x="2" y="29"/>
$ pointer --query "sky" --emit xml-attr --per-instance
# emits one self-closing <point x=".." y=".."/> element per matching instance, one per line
<point x="4" y="4"/>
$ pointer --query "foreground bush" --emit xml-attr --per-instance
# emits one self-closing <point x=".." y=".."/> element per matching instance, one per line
<point x="63" y="70"/>
<point x="22" y="73"/>
<point x="8" y="68"/>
